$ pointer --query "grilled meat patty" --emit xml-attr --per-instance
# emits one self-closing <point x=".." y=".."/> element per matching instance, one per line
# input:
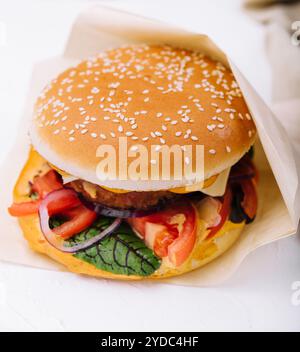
<point x="130" y="200"/>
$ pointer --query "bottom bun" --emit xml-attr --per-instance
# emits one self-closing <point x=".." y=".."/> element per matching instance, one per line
<point x="204" y="251"/>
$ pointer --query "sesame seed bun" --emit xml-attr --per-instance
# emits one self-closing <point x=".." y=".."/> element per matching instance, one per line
<point x="153" y="95"/>
<point x="205" y="250"/>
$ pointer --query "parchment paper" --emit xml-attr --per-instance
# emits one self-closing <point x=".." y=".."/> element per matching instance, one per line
<point x="100" y="28"/>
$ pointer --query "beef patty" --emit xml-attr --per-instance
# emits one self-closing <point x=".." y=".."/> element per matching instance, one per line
<point x="130" y="200"/>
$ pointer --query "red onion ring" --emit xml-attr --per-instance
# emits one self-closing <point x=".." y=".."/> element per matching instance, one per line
<point x="59" y="243"/>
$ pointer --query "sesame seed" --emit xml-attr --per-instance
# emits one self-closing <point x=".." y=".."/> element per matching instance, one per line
<point x="212" y="151"/>
<point x="194" y="138"/>
<point x="159" y="114"/>
<point x="71" y="139"/>
<point x="94" y="135"/>
<point x="120" y="128"/>
<point x="84" y="131"/>
<point x="178" y="134"/>
<point x="102" y="136"/>
<point x="228" y="149"/>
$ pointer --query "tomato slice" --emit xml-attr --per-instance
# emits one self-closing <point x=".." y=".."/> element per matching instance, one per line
<point x="244" y="169"/>
<point x="171" y="232"/>
<point x="79" y="219"/>
<point x="43" y="185"/>
<point x="65" y="202"/>
<point x="245" y="174"/>
<point x="57" y="200"/>
<point x="47" y="183"/>
<point x="182" y="247"/>
<point x="224" y="213"/>
<point x="61" y="201"/>
<point x="24" y="209"/>
<point x="250" y="201"/>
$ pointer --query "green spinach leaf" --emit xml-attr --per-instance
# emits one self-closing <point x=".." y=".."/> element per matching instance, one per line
<point x="120" y="253"/>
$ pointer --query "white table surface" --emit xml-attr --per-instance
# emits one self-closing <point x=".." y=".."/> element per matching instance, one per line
<point x="257" y="298"/>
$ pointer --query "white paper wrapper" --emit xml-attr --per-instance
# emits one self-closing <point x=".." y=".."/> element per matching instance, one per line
<point x="100" y="28"/>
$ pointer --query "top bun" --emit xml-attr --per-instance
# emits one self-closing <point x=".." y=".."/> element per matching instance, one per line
<point x="153" y="95"/>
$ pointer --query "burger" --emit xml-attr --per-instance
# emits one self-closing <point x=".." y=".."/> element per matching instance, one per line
<point x="87" y="212"/>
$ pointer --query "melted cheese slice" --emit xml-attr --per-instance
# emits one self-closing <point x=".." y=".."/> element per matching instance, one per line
<point x="217" y="189"/>
<point x="214" y="186"/>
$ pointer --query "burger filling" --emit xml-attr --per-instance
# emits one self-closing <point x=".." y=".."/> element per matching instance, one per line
<point x="128" y="200"/>
<point x="132" y="233"/>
